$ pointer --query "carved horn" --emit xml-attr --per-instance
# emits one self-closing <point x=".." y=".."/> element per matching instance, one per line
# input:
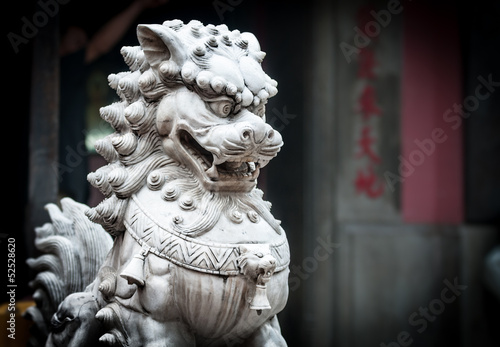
<point x="160" y="44"/>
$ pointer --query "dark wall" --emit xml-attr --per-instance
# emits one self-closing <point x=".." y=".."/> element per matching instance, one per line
<point x="481" y="53"/>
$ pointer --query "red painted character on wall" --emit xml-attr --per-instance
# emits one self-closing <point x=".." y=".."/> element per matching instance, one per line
<point x="366" y="181"/>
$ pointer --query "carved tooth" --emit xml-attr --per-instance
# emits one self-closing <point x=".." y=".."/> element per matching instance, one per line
<point x="213" y="173"/>
<point x="251" y="166"/>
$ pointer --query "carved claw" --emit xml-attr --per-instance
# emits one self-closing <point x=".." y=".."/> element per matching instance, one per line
<point x="107" y="276"/>
<point x="110" y="317"/>
<point x="73" y="324"/>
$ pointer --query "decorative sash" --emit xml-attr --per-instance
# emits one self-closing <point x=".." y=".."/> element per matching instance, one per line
<point x="204" y="256"/>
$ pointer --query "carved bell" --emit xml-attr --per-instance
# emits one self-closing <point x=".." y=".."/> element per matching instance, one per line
<point x="260" y="301"/>
<point x="134" y="272"/>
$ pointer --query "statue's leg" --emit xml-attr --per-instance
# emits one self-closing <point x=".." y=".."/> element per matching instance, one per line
<point x="269" y="334"/>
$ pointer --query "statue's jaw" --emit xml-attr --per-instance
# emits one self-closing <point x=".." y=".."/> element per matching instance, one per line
<point x="235" y="174"/>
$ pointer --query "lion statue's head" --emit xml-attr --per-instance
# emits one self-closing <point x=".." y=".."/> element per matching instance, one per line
<point x="192" y="112"/>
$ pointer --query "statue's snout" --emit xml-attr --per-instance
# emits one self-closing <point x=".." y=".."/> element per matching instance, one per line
<point x="258" y="133"/>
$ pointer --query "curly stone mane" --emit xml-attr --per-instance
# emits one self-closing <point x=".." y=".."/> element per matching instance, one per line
<point x="134" y="151"/>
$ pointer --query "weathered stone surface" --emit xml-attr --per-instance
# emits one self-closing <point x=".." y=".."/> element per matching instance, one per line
<point x="197" y="257"/>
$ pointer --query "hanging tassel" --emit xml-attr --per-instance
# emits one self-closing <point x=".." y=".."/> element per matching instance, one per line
<point x="134" y="272"/>
<point x="260" y="301"/>
<point x="257" y="264"/>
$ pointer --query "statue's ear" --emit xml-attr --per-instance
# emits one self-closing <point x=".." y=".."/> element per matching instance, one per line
<point x="160" y="44"/>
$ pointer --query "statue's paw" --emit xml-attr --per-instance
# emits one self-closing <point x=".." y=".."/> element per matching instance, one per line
<point x="110" y="318"/>
<point x="74" y="324"/>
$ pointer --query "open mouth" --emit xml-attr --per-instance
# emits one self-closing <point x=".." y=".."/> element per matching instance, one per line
<point x="246" y="168"/>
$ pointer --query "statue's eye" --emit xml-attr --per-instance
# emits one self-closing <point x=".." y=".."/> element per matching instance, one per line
<point x="222" y="108"/>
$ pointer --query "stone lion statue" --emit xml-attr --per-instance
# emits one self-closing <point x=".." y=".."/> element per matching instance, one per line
<point x="196" y="257"/>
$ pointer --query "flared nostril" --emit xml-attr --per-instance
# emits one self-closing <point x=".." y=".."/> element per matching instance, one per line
<point x="263" y="133"/>
<point x="257" y="133"/>
<point x="270" y="134"/>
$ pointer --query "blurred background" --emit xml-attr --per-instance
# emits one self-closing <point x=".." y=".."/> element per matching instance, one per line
<point x="388" y="185"/>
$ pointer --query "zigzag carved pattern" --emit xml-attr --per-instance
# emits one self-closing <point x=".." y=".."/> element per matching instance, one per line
<point x="218" y="259"/>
